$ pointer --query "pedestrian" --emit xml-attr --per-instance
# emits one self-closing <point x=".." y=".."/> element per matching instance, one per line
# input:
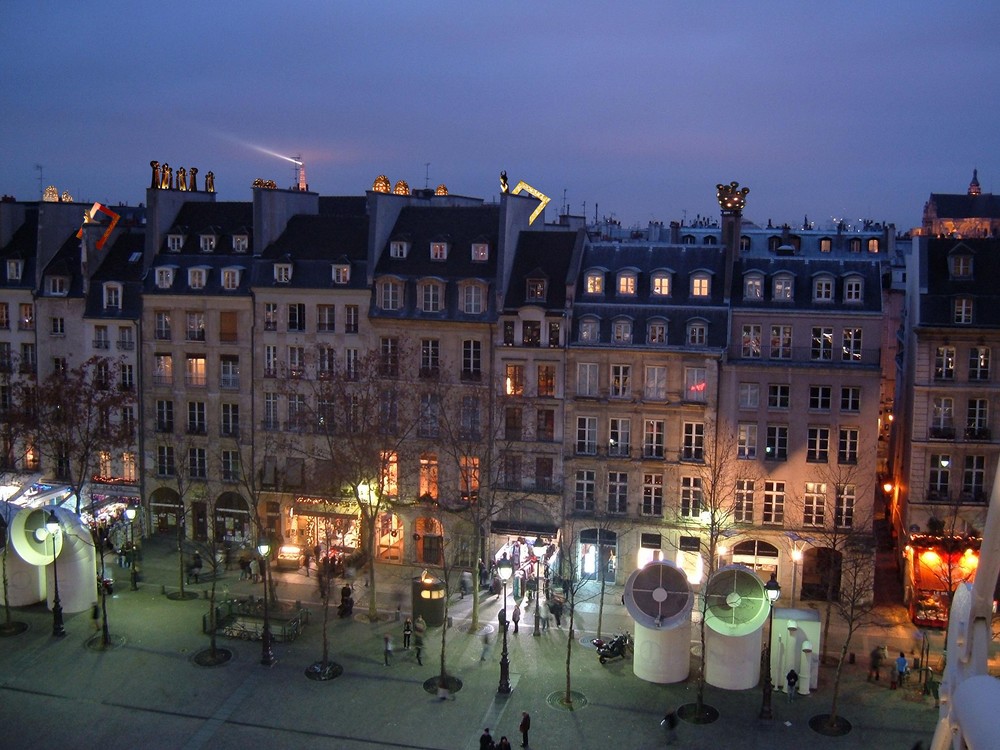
<point x="486" y="647"/>
<point x="792" y="680"/>
<point x="253" y="569"/>
<point x="523" y="727"/>
<point x="486" y="740"/>
<point x="419" y="628"/>
<point x="387" y="649"/>
<point x="407" y="630"/>
<point x="669" y="724"/>
<point x="516" y="616"/>
<point x="306" y="559"/>
<point x="504" y="743"/>
<point x="875" y="663"/>
<point x="902" y="667"/>
<point x="544" y="614"/>
<point x="556" y="608"/>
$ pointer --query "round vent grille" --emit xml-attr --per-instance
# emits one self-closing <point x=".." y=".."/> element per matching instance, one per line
<point x="735" y="601"/>
<point x="30" y="537"/>
<point x="658" y="595"/>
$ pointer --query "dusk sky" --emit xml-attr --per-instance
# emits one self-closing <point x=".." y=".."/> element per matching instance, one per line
<point x="634" y="109"/>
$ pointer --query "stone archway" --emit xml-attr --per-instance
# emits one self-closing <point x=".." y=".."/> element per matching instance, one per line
<point x="429" y="537"/>
<point x="166" y="510"/>
<point x="233" y="522"/>
<point x="597" y="553"/>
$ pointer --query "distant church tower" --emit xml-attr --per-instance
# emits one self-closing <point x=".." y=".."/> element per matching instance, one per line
<point x="974" y="185"/>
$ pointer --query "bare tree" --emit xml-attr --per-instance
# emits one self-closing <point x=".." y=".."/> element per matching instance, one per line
<point x="78" y="413"/>
<point x="572" y="583"/>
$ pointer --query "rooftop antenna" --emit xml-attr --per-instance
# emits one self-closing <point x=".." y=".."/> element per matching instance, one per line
<point x="300" y="174"/>
<point x="427" y="174"/>
<point x="41" y="180"/>
<point x="565" y="205"/>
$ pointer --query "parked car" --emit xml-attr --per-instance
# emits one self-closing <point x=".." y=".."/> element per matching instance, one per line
<point x="290" y="557"/>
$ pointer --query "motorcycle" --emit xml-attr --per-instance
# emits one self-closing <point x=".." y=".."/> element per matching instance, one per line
<point x="619" y="646"/>
<point x="106" y="585"/>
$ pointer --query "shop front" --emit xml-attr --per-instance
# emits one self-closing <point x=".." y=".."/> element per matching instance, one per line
<point x="166" y="511"/>
<point x="108" y="503"/>
<point x="332" y="527"/>
<point x="233" y="523"/>
<point x="935" y="566"/>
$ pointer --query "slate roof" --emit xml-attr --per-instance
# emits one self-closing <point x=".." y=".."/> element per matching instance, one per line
<point x="22" y="246"/>
<point x="312" y="244"/>
<point x="224" y="219"/>
<point x="123" y="262"/>
<point x="545" y="255"/>
<point x="681" y="261"/>
<point x="66" y="262"/>
<point x="346" y="205"/>
<point x="805" y="270"/>
<point x="963" y="206"/>
<point x="941" y="289"/>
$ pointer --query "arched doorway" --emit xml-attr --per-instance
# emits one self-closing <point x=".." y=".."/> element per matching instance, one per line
<point x="429" y="536"/>
<point x="233" y="523"/>
<point x="389" y="538"/>
<point x="166" y="510"/>
<point x="597" y="554"/>
<point x="821" y="574"/>
<point x="758" y="555"/>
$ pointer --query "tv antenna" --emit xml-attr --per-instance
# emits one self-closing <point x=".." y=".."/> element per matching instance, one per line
<point x="427" y="174"/>
<point x="41" y="180"/>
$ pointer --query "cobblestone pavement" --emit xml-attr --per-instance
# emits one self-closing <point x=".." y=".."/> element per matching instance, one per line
<point x="148" y="693"/>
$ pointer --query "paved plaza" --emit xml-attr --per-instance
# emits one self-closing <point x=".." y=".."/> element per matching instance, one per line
<point x="147" y="693"/>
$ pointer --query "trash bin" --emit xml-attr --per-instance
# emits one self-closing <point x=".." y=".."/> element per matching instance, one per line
<point x="429" y="594"/>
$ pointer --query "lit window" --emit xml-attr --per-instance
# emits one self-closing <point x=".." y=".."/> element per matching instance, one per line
<point x="341" y="274"/>
<point x="164" y="278"/>
<point x="873" y="245"/>
<point x="750" y="348"/>
<point x="282" y="272"/>
<point x="700" y="286"/>
<point x="695" y="384"/>
<point x="626" y="284"/>
<point x="661" y="284"/>
<point x="825" y="245"/>
<point x="535" y="289"/>
<point x="480" y="252"/>
<point x="439" y="251"/>
<point x="594" y="282"/>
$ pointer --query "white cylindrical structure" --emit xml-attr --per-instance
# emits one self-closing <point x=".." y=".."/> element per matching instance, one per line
<point x="663" y="656"/>
<point x="732" y="662"/>
<point x="25" y="582"/>
<point x="805" y="668"/>
<point x="659" y="600"/>
<point x="77" y="566"/>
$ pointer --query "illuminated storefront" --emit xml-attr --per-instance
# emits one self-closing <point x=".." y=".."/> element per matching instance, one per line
<point x="935" y="566"/>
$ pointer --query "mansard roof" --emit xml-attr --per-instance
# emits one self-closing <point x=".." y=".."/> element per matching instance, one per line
<point x="222" y="219"/>
<point x="23" y="246"/>
<point x="312" y="245"/>
<point x="542" y="255"/>
<point x="66" y="263"/>
<point x="963" y="206"/>
<point x="805" y="271"/>
<point x="940" y="289"/>
<point x="122" y="263"/>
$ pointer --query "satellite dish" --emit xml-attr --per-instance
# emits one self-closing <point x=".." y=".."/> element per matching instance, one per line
<point x="30" y="537"/>
<point x="658" y="595"/>
<point x="736" y="602"/>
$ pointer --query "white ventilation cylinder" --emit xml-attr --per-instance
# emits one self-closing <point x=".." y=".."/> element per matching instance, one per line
<point x="660" y="600"/>
<point x="732" y="662"/>
<point x="77" y="565"/>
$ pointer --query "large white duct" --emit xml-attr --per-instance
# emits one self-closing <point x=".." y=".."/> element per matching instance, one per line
<point x="77" y="565"/>
<point x="736" y="606"/>
<point x="659" y="600"/>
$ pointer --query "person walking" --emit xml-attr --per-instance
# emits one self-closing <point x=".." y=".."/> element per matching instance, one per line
<point x="504" y="743"/>
<point x="419" y="628"/>
<point x="387" y="649"/>
<point x="254" y="569"/>
<point x="669" y="724"/>
<point x="486" y="740"/>
<point x="486" y="647"/>
<point x="556" y="608"/>
<point x="523" y="728"/>
<point x="875" y="663"/>
<point x="544" y="614"/>
<point x="516" y="616"/>
<point x="792" y="680"/>
<point x="902" y="667"/>
<point x="407" y="630"/>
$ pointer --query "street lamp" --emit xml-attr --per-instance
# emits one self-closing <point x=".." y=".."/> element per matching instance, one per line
<point x="538" y="547"/>
<point x="266" y="651"/>
<point x="130" y="515"/>
<point x="504" y="569"/>
<point x="52" y="526"/>
<point x="773" y="590"/>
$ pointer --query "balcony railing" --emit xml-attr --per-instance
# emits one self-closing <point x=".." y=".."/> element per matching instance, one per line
<point x="163" y="380"/>
<point x="231" y="382"/>
<point x="942" y="433"/>
<point x="126" y="344"/>
<point x="102" y="344"/>
<point x="978" y="433"/>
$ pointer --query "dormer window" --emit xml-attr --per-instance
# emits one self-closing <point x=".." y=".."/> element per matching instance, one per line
<point x="164" y="278"/>
<point x="962" y="310"/>
<point x="854" y="289"/>
<point x="873" y="244"/>
<point x="535" y="290"/>
<point x="472" y="299"/>
<point x="753" y="287"/>
<point x="58" y="286"/>
<point x="398" y="249"/>
<point x="431" y="296"/>
<point x="784" y="287"/>
<point x="196" y="278"/>
<point x="175" y="242"/>
<point x="700" y="285"/>
<point x="390" y="294"/>
<point x="439" y="251"/>
<point x="594" y="282"/>
<point x="589" y="330"/>
<point x="480" y="252"/>
<point x="230" y="279"/>
<point x="961" y="266"/>
<point x="621" y="332"/>
<point x="283" y="272"/>
<point x="341" y="273"/>
<point x="207" y="243"/>
<point x="14" y="270"/>
<point x="825" y="244"/>
<point x="823" y="289"/>
<point x="240" y="243"/>
<point x="626" y="284"/>
<point x="112" y="297"/>
<point x="855" y="245"/>
<point x="660" y="285"/>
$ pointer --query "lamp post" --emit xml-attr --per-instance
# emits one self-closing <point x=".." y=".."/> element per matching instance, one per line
<point x="52" y="526"/>
<point x="130" y="515"/>
<point x="266" y="650"/>
<point x="773" y="590"/>
<point x="538" y="547"/>
<point x="504" y="569"/>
